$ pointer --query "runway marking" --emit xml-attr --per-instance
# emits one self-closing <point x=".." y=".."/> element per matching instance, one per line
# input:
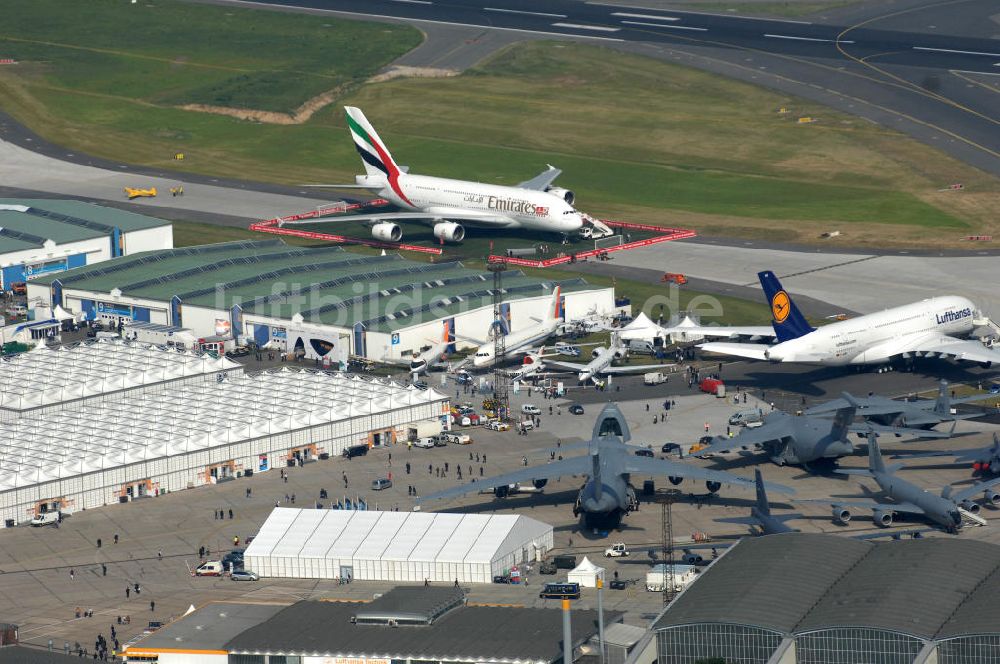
<point x="663" y="25"/>
<point x="674" y="11"/>
<point x="983" y="73"/>
<point x="809" y="39"/>
<point x="316" y="10"/>
<point x="652" y="16"/>
<point x="579" y="26"/>
<point x="415" y="2"/>
<point x="951" y="50"/>
<point x="519" y="11"/>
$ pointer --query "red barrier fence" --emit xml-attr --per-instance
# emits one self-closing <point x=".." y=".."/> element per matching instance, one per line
<point x="668" y="235"/>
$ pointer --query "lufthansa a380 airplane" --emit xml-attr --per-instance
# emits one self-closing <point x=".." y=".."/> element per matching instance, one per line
<point x="450" y="205"/>
<point x="935" y="327"/>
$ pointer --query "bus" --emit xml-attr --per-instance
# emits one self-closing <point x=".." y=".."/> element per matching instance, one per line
<point x="560" y="591"/>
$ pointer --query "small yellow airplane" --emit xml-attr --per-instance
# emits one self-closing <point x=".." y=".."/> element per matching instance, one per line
<point x="133" y="192"/>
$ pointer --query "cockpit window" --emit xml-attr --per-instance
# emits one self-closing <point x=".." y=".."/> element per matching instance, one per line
<point x="610" y="427"/>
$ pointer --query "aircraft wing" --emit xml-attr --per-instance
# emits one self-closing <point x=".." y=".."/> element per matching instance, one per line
<point x="578" y="465"/>
<point x="662" y="467"/>
<point x="633" y="368"/>
<point x="938" y="344"/>
<point x="432" y="214"/>
<point x="908" y="508"/>
<point x="541" y="181"/>
<point x="901" y="431"/>
<point x="969" y="492"/>
<point x="752" y="351"/>
<point x="748" y="438"/>
<point x="722" y="331"/>
<point x="572" y="366"/>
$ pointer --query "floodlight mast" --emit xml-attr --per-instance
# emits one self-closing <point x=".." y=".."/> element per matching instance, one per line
<point x="501" y="381"/>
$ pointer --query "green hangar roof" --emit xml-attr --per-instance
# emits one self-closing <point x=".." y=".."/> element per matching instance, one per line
<point x="327" y="286"/>
<point x="28" y="223"/>
<point x="795" y="583"/>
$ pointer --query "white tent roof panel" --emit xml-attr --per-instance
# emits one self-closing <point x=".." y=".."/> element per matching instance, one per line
<point x="437" y="536"/>
<point x="381" y="535"/>
<point x="357" y="530"/>
<point x="326" y="534"/>
<point x="298" y="533"/>
<point x="465" y="535"/>
<point x="273" y="530"/>
<point x="495" y="531"/>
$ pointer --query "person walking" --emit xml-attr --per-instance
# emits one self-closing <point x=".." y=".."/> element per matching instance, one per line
<point x="152" y="605"/>
<point x="128" y="592"/>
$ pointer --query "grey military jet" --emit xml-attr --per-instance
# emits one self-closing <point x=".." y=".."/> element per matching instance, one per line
<point x="922" y="414"/>
<point x="607" y="495"/>
<point x="984" y="459"/>
<point x="947" y="510"/>
<point x="791" y="439"/>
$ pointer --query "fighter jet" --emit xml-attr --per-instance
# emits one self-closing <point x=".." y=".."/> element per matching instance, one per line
<point x="984" y="459"/>
<point x="791" y="439"/>
<point x="948" y="510"/>
<point x="607" y="495"/>
<point x="601" y="364"/>
<point x="922" y="414"/>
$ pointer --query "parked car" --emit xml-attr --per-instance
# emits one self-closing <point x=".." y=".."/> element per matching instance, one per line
<point x="425" y="442"/>
<point x="547" y="567"/>
<point x="618" y="584"/>
<point x="244" y="575"/>
<point x="440" y="440"/>
<point x="355" y="450"/>
<point x="497" y="425"/>
<point x="530" y="409"/>
<point x="381" y="484"/>
<point x="421" y="385"/>
<point x="616" y="550"/>
<point x="239" y="351"/>
<point x="576" y="409"/>
<point x="669" y="448"/>
<point x="644" y="453"/>
<point x="211" y="568"/>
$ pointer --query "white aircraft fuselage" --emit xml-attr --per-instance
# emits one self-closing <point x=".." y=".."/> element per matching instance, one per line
<point x="516" y="342"/>
<point x="870" y="338"/>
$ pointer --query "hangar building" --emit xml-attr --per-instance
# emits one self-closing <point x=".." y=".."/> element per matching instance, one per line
<point x="167" y="434"/>
<point x="407" y="625"/>
<point x="40" y="238"/>
<point x="394" y="546"/>
<point x="822" y="599"/>
<point x="323" y="302"/>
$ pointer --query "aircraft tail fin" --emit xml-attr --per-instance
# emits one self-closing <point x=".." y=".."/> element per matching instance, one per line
<point x="375" y="155"/>
<point x="554" y="311"/>
<point x="762" y="505"/>
<point x="942" y="405"/>
<point x="844" y="417"/>
<point x="786" y="319"/>
<point x="875" y="462"/>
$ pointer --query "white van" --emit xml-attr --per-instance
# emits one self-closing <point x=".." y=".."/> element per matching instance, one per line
<point x="211" y="568"/>
<point x="459" y="438"/>
<point x="45" y="518"/>
<point x="530" y="409"/>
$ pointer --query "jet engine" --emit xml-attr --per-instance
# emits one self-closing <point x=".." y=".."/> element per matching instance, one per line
<point x="539" y="484"/>
<point x="713" y="487"/>
<point x="991" y="497"/>
<point x="841" y="514"/>
<point x="692" y="558"/>
<point x="597" y="352"/>
<point x="675" y="480"/>
<point x="881" y="518"/>
<point x="970" y="506"/>
<point x="564" y="194"/>
<point x="449" y="231"/>
<point x="387" y="232"/>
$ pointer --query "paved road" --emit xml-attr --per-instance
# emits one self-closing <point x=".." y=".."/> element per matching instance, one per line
<point x="925" y="68"/>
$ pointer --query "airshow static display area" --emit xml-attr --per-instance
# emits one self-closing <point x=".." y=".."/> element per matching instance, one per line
<point x="45" y="237"/>
<point x="800" y="597"/>
<point x="324" y="303"/>
<point x="144" y="442"/>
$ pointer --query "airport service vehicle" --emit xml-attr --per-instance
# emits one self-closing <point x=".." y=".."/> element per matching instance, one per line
<point x="935" y="327"/>
<point x="530" y="409"/>
<point x="747" y="418"/>
<point x="518" y="343"/>
<point x="244" y="575"/>
<point x="381" y="483"/>
<point x="616" y="550"/>
<point x="548" y="567"/>
<point x="560" y="591"/>
<point x="45" y="519"/>
<point x="497" y="425"/>
<point x="712" y="386"/>
<point x="576" y="409"/>
<point x="564" y="561"/>
<point x="607" y="464"/>
<point x="425" y="443"/>
<point x="526" y="425"/>
<point x="460" y="438"/>
<point x="673" y="278"/>
<point x="211" y="568"/>
<point x="654" y="378"/>
<point x="451" y="205"/>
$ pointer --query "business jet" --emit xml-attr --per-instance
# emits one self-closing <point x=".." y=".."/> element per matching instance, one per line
<point x="451" y="205"/>
<point x="935" y="327"/>
<point x="518" y="343"/>
<point x="602" y="363"/>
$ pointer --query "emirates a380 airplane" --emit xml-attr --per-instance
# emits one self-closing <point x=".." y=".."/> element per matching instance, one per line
<point x="451" y="205"/>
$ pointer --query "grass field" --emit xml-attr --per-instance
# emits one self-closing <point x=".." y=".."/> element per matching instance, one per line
<point x="687" y="148"/>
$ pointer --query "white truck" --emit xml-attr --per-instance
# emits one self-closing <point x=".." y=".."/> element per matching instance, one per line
<point x="654" y="378"/>
<point x="616" y="550"/>
<point x="45" y="518"/>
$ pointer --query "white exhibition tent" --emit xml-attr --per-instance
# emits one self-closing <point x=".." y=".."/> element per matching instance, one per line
<point x="586" y="574"/>
<point x="371" y="545"/>
<point x="640" y="327"/>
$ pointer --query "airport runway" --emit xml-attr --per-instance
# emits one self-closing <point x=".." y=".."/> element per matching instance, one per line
<point x="926" y="68"/>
